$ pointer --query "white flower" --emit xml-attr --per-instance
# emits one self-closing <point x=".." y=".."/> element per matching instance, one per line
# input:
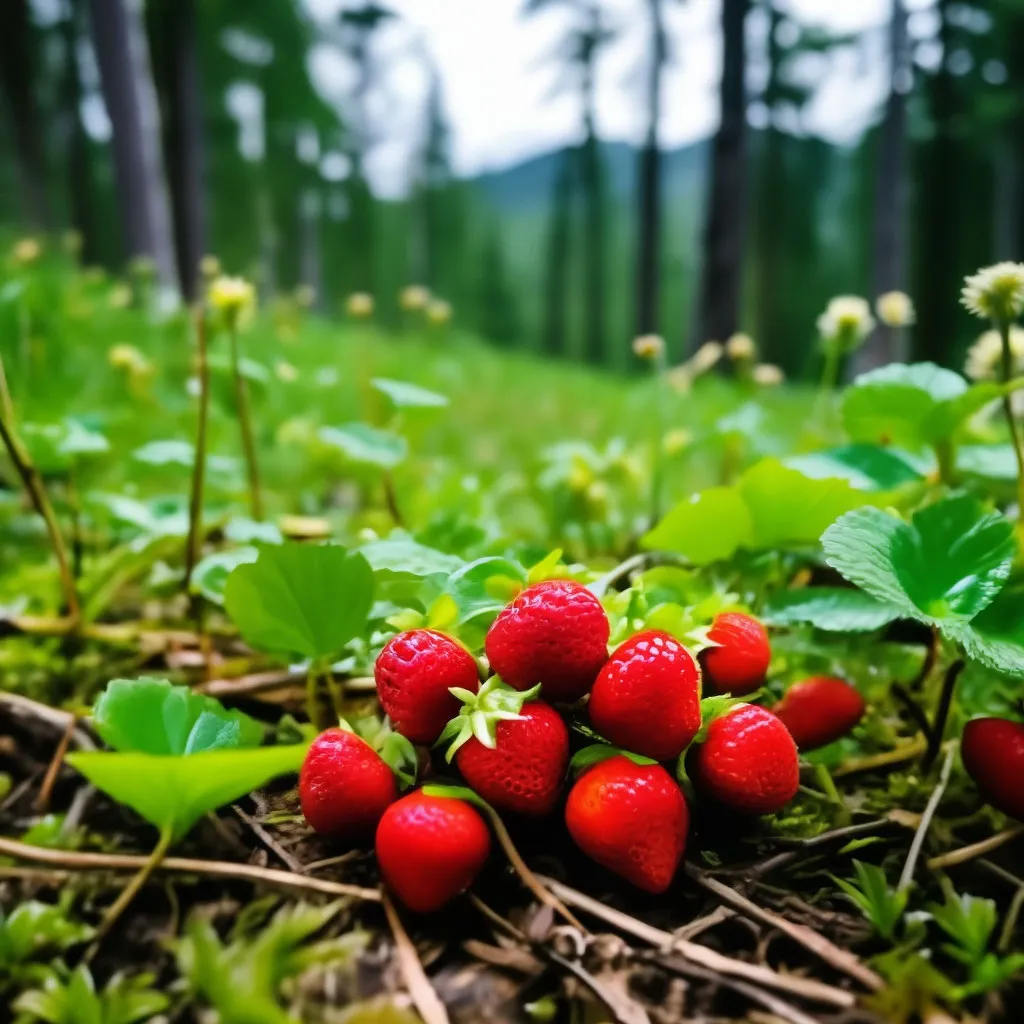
<point x="649" y="346"/>
<point x="895" y="309"/>
<point x="741" y="346"/>
<point x="984" y="356"/>
<point x="768" y="375"/>
<point x="996" y="292"/>
<point x="846" y="322"/>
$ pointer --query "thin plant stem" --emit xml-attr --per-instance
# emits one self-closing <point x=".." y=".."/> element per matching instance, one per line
<point x="195" y="505"/>
<point x="75" y="514"/>
<point x="660" y="366"/>
<point x="1003" y="326"/>
<point x="6" y="405"/>
<point x="942" y="713"/>
<point x="907" y="875"/>
<point x="245" y="422"/>
<point x="33" y="485"/>
<point x="131" y="890"/>
<point x="829" y="379"/>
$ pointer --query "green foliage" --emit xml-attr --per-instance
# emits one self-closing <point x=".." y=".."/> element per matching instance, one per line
<point x="179" y="755"/>
<point x="834" y="609"/>
<point x="245" y="980"/>
<point x="73" y="999"/>
<point x="301" y="599"/>
<point x="365" y="445"/>
<point x="210" y="575"/>
<point x="32" y="929"/>
<point x="771" y="505"/>
<point x="404" y="395"/>
<point x="867" y="467"/>
<point x="870" y="893"/>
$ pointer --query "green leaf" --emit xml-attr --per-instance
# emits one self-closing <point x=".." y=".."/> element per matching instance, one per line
<point x="867" y="467"/>
<point x="174" y="792"/>
<point x="33" y="926"/>
<point x="210" y="576"/>
<point x="409" y="396"/>
<point x="883" y="907"/>
<point x="991" y="461"/>
<point x="948" y="563"/>
<point x="151" y="716"/>
<point x="402" y="556"/>
<point x="485" y="586"/>
<point x="706" y="527"/>
<point x="835" y="609"/>
<point x="902" y="404"/>
<point x="367" y="445"/>
<point x="243" y="530"/>
<point x="598" y="752"/>
<point x="303" y="599"/>
<point x="54" y="447"/>
<point x="459" y="793"/>
<point x="995" y="637"/>
<point x="789" y="508"/>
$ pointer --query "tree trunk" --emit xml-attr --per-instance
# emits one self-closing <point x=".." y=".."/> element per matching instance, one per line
<point x="123" y="58"/>
<point x="79" y="165"/>
<point x="889" y="231"/>
<point x="595" y="240"/>
<point x="17" y="82"/>
<point x="771" y="185"/>
<point x="556" y="279"/>
<point x="648" y="254"/>
<point x="183" y="138"/>
<point x="724" y="228"/>
<point x="939" y="263"/>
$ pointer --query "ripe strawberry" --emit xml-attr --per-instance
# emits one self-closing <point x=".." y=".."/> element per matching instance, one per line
<point x="647" y="696"/>
<point x="414" y="673"/>
<point x="513" y="753"/>
<point x="748" y="761"/>
<point x="993" y="753"/>
<point x="819" y="711"/>
<point x="345" y="785"/>
<point x="554" y="633"/>
<point x="431" y="848"/>
<point x="632" y="819"/>
<point x="739" y="663"/>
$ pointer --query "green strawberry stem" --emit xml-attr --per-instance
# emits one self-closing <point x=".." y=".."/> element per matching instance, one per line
<point x="245" y="423"/>
<point x="131" y="890"/>
<point x="482" y="711"/>
<point x="195" y="504"/>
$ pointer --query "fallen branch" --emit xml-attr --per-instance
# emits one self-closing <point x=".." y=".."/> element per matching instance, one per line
<point x="898" y="755"/>
<point x="79" y="861"/>
<point x="259" y="682"/>
<point x="806" y="988"/>
<point x="907" y="875"/>
<point x="427" y="1002"/>
<point x="979" y="849"/>
<point x="840" y="959"/>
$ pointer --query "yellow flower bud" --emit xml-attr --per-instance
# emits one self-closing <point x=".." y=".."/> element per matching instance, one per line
<point x="895" y="309"/>
<point x="649" y="346"/>
<point x="27" y="250"/>
<point x="209" y="267"/>
<point x="233" y="298"/>
<point x="438" y="312"/>
<point x="740" y="347"/>
<point x="767" y="375"/>
<point x="359" y="305"/>
<point x="414" y="297"/>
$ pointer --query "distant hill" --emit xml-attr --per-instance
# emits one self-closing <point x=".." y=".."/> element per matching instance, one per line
<point x="528" y="185"/>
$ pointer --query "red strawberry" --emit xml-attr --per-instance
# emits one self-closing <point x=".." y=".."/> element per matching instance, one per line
<point x="632" y="819"/>
<point x="554" y="633"/>
<point x="739" y="663"/>
<point x="345" y="785"/>
<point x="819" y="711"/>
<point x="521" y="766"/>
<point x="748" y="761"/>
<point x="414" y="673"/>
<point x="431" y="848"/>
<point x="993" y="753"/>
<point x="647" y="696"/>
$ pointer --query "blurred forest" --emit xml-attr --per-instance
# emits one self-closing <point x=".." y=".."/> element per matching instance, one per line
<point x="571" y="253"/>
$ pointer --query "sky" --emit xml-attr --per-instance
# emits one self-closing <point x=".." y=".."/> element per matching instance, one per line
<point x="499" y="89"/>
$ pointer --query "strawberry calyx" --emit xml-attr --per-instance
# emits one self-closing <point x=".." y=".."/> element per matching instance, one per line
<point x="713" y="708"/>
<point x="481" y="712"/>
<point x="458" y="793"/>
<point x="394" y="749"/>
<point x="598" y="752"/>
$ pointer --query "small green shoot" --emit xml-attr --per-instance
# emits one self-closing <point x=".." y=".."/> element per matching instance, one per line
<point x="881" y="905"/>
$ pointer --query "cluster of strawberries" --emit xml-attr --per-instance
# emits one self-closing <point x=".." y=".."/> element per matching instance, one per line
<point x="511" y="745"/>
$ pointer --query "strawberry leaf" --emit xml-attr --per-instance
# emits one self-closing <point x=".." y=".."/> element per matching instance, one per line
<point x="598" y="752"/>
<point x="404" y="395"/>
<point x="706" y="527"/>
<point x="835" y="609"/>
<point x="947" y="564"/>
<point x="150" y="716"/>
<point x="366" y="445"/>
<point x="995" y="637"/>
<point x="867" y="467"/>
<point x="301" y="599"/>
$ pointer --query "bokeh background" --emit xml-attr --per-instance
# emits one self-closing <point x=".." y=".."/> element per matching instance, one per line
<point x="567" y="174"/>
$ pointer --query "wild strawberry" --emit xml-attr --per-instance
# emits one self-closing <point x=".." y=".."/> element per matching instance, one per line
<point x="632" y="819"/>
<point x="431" y="848"/>
<point x="414" y="673"/>
<point x="819" y="711"/>
<point x="513" y="753"/>
<point x="993" y="754"/>
<point x="345" y="785"/>
<point x="647" y="696"/>
<point x="554" y="633"/>
<point x="747" y="761"/>
<point x="739" y="663"/>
